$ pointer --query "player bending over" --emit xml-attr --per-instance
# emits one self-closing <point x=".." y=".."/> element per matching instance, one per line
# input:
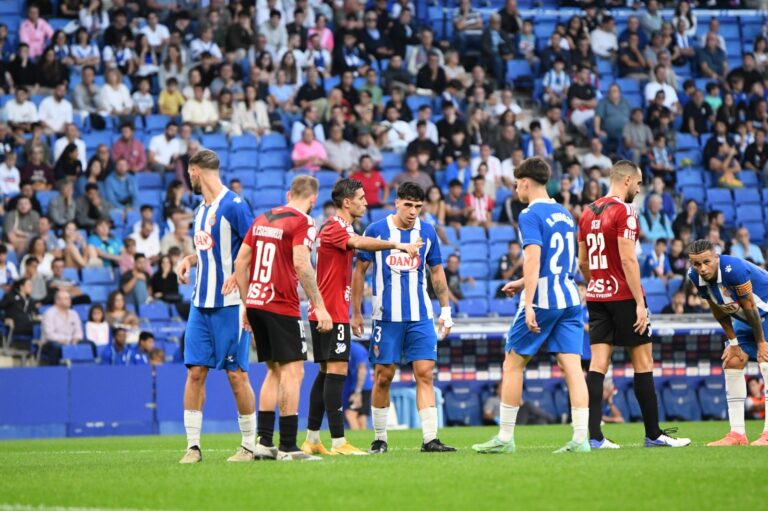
<point x="403" y="327"/>
<point x="737" y="292"/>
<point x="215" y="337"/>
<point x="336" y="244"/>
<point x="550" y="311"/>
<point x="618" y="315"/>
<point x="274" y="258"/>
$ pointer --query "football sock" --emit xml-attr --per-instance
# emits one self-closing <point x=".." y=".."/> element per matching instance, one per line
<point x="580" y="419"/>
<point x="338" y="442"/>
<point x="764" y="371"/>
<point x="193" y="423"/>
<point x="334" y="389"/>
<point x="248" y="430"/>
<point x="428" y="418"/>
<point x="736" y="395"/>
<point x="313" y="437"/>
<point x="266" y="428"/>
<point x="507" y="420"/>
<point x="380" y="416"/>
<point x="289" y="426"/>
<point x="595" y="387"/>
<point x="645" y="391"/>
<point x="316" y="405"/>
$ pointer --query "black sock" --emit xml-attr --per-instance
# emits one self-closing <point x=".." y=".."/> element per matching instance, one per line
<point x="645" y="391"/>
<point x="316" y="403"/>
<point x="334" y="388"/>
<point x="266" y="428"/>
<point x="595" y="387"/>
<point x="288" y="427"/>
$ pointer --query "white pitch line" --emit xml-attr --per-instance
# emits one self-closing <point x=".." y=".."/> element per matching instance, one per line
<point x="43" y="507"/>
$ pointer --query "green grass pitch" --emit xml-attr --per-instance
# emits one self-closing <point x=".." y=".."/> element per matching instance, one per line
<point x="143" y="473"/>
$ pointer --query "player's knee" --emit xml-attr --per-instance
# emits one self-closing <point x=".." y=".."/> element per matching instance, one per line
<point x="423" y="375"/>
<point x="237" y="379"/>
<point x="292" y="371"/>
<point x="340" y="368"/>
<point x="384" y="377"/>
<point x="735" y="363"/>
<point x="196" y="375"/>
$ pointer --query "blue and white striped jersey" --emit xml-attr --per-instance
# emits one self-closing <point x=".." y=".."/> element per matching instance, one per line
<point x="736" y="279"/>
<point x="549" y="225"/>
<point x="400" y="282"/>
<point x="219" y="231"/>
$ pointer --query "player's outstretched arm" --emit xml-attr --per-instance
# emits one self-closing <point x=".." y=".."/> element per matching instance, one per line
<point x="376" y="245"/>
<point x="306" y="273"/>
<point x="584" y="262"/>
<point x="632" y="274"/>
<point x="440" y="285"/>
<point x="358" y="284"/>
<point x="531" y="270"/>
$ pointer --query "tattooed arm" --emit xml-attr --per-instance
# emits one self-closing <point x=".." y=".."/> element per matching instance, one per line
<point x="306" y="274"/>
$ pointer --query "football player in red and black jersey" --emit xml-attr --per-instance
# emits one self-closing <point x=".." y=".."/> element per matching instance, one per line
<point x="618" y="314"/>
<point x="336" y="244"/>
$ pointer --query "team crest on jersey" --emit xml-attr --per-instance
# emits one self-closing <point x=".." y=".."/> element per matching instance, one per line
<point x="212" y="220"/>
<point x="203" y="240"/>
<point x="401" y="261"/>
<point x="340" y="348"/>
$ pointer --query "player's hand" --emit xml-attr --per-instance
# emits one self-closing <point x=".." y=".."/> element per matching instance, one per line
<point x="230" y="285"/>
<point x="762" y="351"/>
<point x="183" y="271"/>
<point x="356" y="400"/>
<point x="512" y="288"/>
<point x="445" y="323"/>
<point x="733" y="353"/>
<point x="641" y="324"/>
<point x="530" y="320"/>
<point x="357" y="325"/>
<point x="412" y="249"/>
<point x="324" y="321"/>
<point x="244" y="319"/>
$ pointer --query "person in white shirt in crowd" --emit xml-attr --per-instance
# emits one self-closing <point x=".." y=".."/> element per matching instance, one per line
<point x="496" y="175"/>
<point x="164" y="149"/>
<point x="9" y="273"/>
<point x="97" y="328"/>
<point x="744" y="249"/>
<point x="143" y="100"/>
<point x="340" y="152"/>
<point x="56" y="111"/>
<point x="553" y="126"/>
<point x="425" y="114"/>
<point x="115" y="96"/>
<point x="84" y="51"/>
<point x="21" y="113"/>
<point x="264" y="9"/>
<point x="309" y="120"/>
<point x="275" y="32"/>
<point x="603" y="39"/>
<point x="658" y="83"/>
<point x="714" y="29"/>
<point x="199" y="112"/>
<point x="71" y="136"/>
<point x="93" y="17"/>
<point x="206" y="44"/>
<point x="147" y="241"/>
<point x="595" y="157"/>
<point x="10" y="179"/>
<point x="157" y="33"/>
<point x="397" y="134"/>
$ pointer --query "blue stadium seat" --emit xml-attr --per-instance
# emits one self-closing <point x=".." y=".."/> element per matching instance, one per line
<point x="391" y="160"/>
<point x="686" y="141"/>
<point x="415" y="102"/>
<point x="535" y="393"/>
<point x="215" y="141"/>
<point x="656" y="303"/>
<point x="478" y="289"/>
<point x="462" y="406"/>
<point x="756" y="231"/>
<point x="77" y="354"/>
<point x="82" y="311"/>
<point x="149" y="181"/>
<point x="749" y="213"/>
<point x="680" y="401"/>
<point x="654" y="286"/>
<point x="712" y="399"/>
<point x="271" y="179"/>
<point x="562" y="401"/>
<point x="273" y="142"/>
<point x="98" y="276"/>
<point x="248" y="161"/>
<point x="243" y="143"/>
<point x="470" y="233"/>
<point x="635" y="414"/>
<point x="750" y="179"/>
<point x="453" y="237"/>
<point x="474" y="307"/>
<point x="496" y="250"/>
<point x="746" y="196"/>
<point x="504" y="306"/>
<point x="378" y="214"/>
<point x="694" y="192"/>
<point x="719" y="196"/>
<point x="475" y="251"/>
<point x="98" y="293"/>
<point x="72" y="274"/>
<point x="501" y="233"/>
<point x="155" y="124"/>
<point x="687" y="178"/>
<point x="327" y="179"/>
<point x="156" y="311"/>
<point x="247" y="178"/>
<point x="264" y="199"/>
<point x="274" y="160"/>
<point x="45" y="198"/>
<point x="475" y="270"/>
<point x="620" y="401"/>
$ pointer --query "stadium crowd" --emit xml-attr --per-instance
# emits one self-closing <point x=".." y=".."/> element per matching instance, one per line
<point x="104" y="102"/>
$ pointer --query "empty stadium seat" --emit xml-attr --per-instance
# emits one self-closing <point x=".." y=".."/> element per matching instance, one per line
<point x="686" y="141"/>
<point x="504" y="306"/>
<point x="476" y="289"/>
<point x="719" y="196"/>
<point x="215" y="141"/>
<point x="656" y="303"/>
<point x="476" y="270"/>
<point x="244" y="161"/>
<point x="272" y="142"/>
<point x="537" y="394"/>
<point x="499" y="233"/>
<point x="243" y="143"/>
<point x="475" y="251"/>
<point x="154" y="311"/>
<point x="746" y="196"/>
<point x="77" y="354"/>
<point x="391" y="160"/>
<point x="327" y="179"/>
<point x="462" y="406"/>
<point x="98" y="276"/>
<point x="712" y="399"/>
<point x="467" y="234"/>
<point x="149" y="181"/>
<point x="474" y="307"/>
<point x="680" y="401"/>
<point x="271" y="179"/>
<point x="653" y="286"/>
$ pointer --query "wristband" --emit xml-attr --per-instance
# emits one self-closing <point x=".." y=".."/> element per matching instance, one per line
<point x="445" y="312"/>
<point x="733" y="342"/>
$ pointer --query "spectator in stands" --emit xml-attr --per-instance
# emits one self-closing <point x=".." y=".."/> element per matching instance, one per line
<point x="58" y="282"/>
<point x="603" y="40"/>
<point x="455" y="204"/>
<point x="147" y="241"/>
<point x="116" y="354"/>
<point x="478" y="205"/>
<point x="20" y="224"/>
<point x="454" y="279"/>
<point x="22" y="70"/>
<point x="205" y="45"/>
<point x="86" y="98"/>
<point x="55" y="111"/>
<point x="595" y="157"/>
<point x="678" y="260"/>
<point x="375" y="187"/>
<point x="240" y="35"/>
<point x="143" y="101"/>
<point x="511" y="20"/>
<point x="697" y="116"/>
<point x="467" y="25"/>
<point x="744" y="249"/>
<point x="20" y="312"/>
<point x="510" y="266"/>
<point x="556" y="83"/>
<point x="659" y="82"/>
<point x="339" y="151"/>
<point x="179" y="237"/>
<point x="756" y="155"/>
<point x="10" y="178"/>
<point x="103" y="246"/>
<point x="175" y="202"/>
<point x="678" y="305"/>
<point x="650" y="19"/>
<point x="657" y="187"/>
<point x="431" y="79"/>
<point x="164" y="283"/>
<point x="552" y="52"/>
<point x="654" y="224"/>
<point x="611" y="115"/>
<point x="115" y="96"/>
<point x="84" y="52"/>
<point x="308" y="153"/>
<point x="420" y="55"/>
<point x="63" y="208"/>
<point x="748" y="72"/>
<point x="582" y="100"/>
<point x="130" y="149"/>
<point x="632" y="63"/>
<point x="497" y="47"/>
<point x="8" y="271"/>
<point x="657" y="263"/>
<point x="610" y="412"/>
<point x="51" y="71"/>
<point x="71" y="136"/>
<point x="725" y="164"/>
<point x="68" y="166"/>
<point x="35" y="31"/>
<point x="637" y="136"/>
<point x="96" y="327"/>
<point x="412" y="174"/>
<point x="755" y="403"/>
<point x="172" y="67"/>
<point x="275" y="32"/>
<point x="157" y="34"/>
<point x="140" y="354"/>
<point x="60" y="326"/>
<point x="397" y="133"/>
<point x="251" y="115"/>
<point x="660" y="160"/>
<point x="308" y="120"/>
<point x="713" y="62"/>
<point x="633" y="28"/>
<point x="21" y="113"/>
<point x="120" y="187"/>
<point x="714" y="31"/>
<point x="685" y="44"/>
<point x="164" y="150"/>
<point x="134" y="284"/>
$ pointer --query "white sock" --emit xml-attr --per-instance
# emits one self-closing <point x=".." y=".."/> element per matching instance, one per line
<point x="507" y="420"/>
<point x="380" y="416"/>
<point x="247" y="425"/>
<point x="580" y="423"/>
<point x="193" y="423"/>
<point x="313" y="437"/>
<point x="764" y="371"/>
<point x="736" y="394"/>
<point x="428" y="418"/>
<point x="338" y="442"/>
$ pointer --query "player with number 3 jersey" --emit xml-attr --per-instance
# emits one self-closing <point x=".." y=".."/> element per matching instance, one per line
<point x="618" y="315"/>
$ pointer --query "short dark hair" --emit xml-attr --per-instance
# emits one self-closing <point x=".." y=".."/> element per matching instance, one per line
<point x="205" y="159"/>
<point x="345" y="189"/>
<point x="454" y="182"/>
<point x="534" y="168"/>
<point x="713" y="214"/>
<point x="411" y="191"/>
<point x="144" y="335"/>
<point x="139" y="255"/>
<point x="699" y="247"/>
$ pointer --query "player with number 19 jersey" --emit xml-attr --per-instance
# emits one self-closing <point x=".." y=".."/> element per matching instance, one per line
<point x="273" y="299"/>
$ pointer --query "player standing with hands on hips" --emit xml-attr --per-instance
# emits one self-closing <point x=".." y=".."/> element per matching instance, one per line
<point x="618" y="314"/>
<point x="403" y="326"/>
<point x="215" y="337"/>
<point x="336" y="244"/>
<point x="737" y="292"/>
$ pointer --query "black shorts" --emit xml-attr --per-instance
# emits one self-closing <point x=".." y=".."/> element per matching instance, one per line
<point x="365" y="407"/>
<point x="333" y="345"/>
<point x="278" y="338"/>
<point x="612" y="323"/>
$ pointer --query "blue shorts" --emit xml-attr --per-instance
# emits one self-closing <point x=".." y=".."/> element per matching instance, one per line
<point x="561" y="329"/>
<point x="406" y="341"/>
<point x="215" y="338"/>
<point x="746" y="338"/>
